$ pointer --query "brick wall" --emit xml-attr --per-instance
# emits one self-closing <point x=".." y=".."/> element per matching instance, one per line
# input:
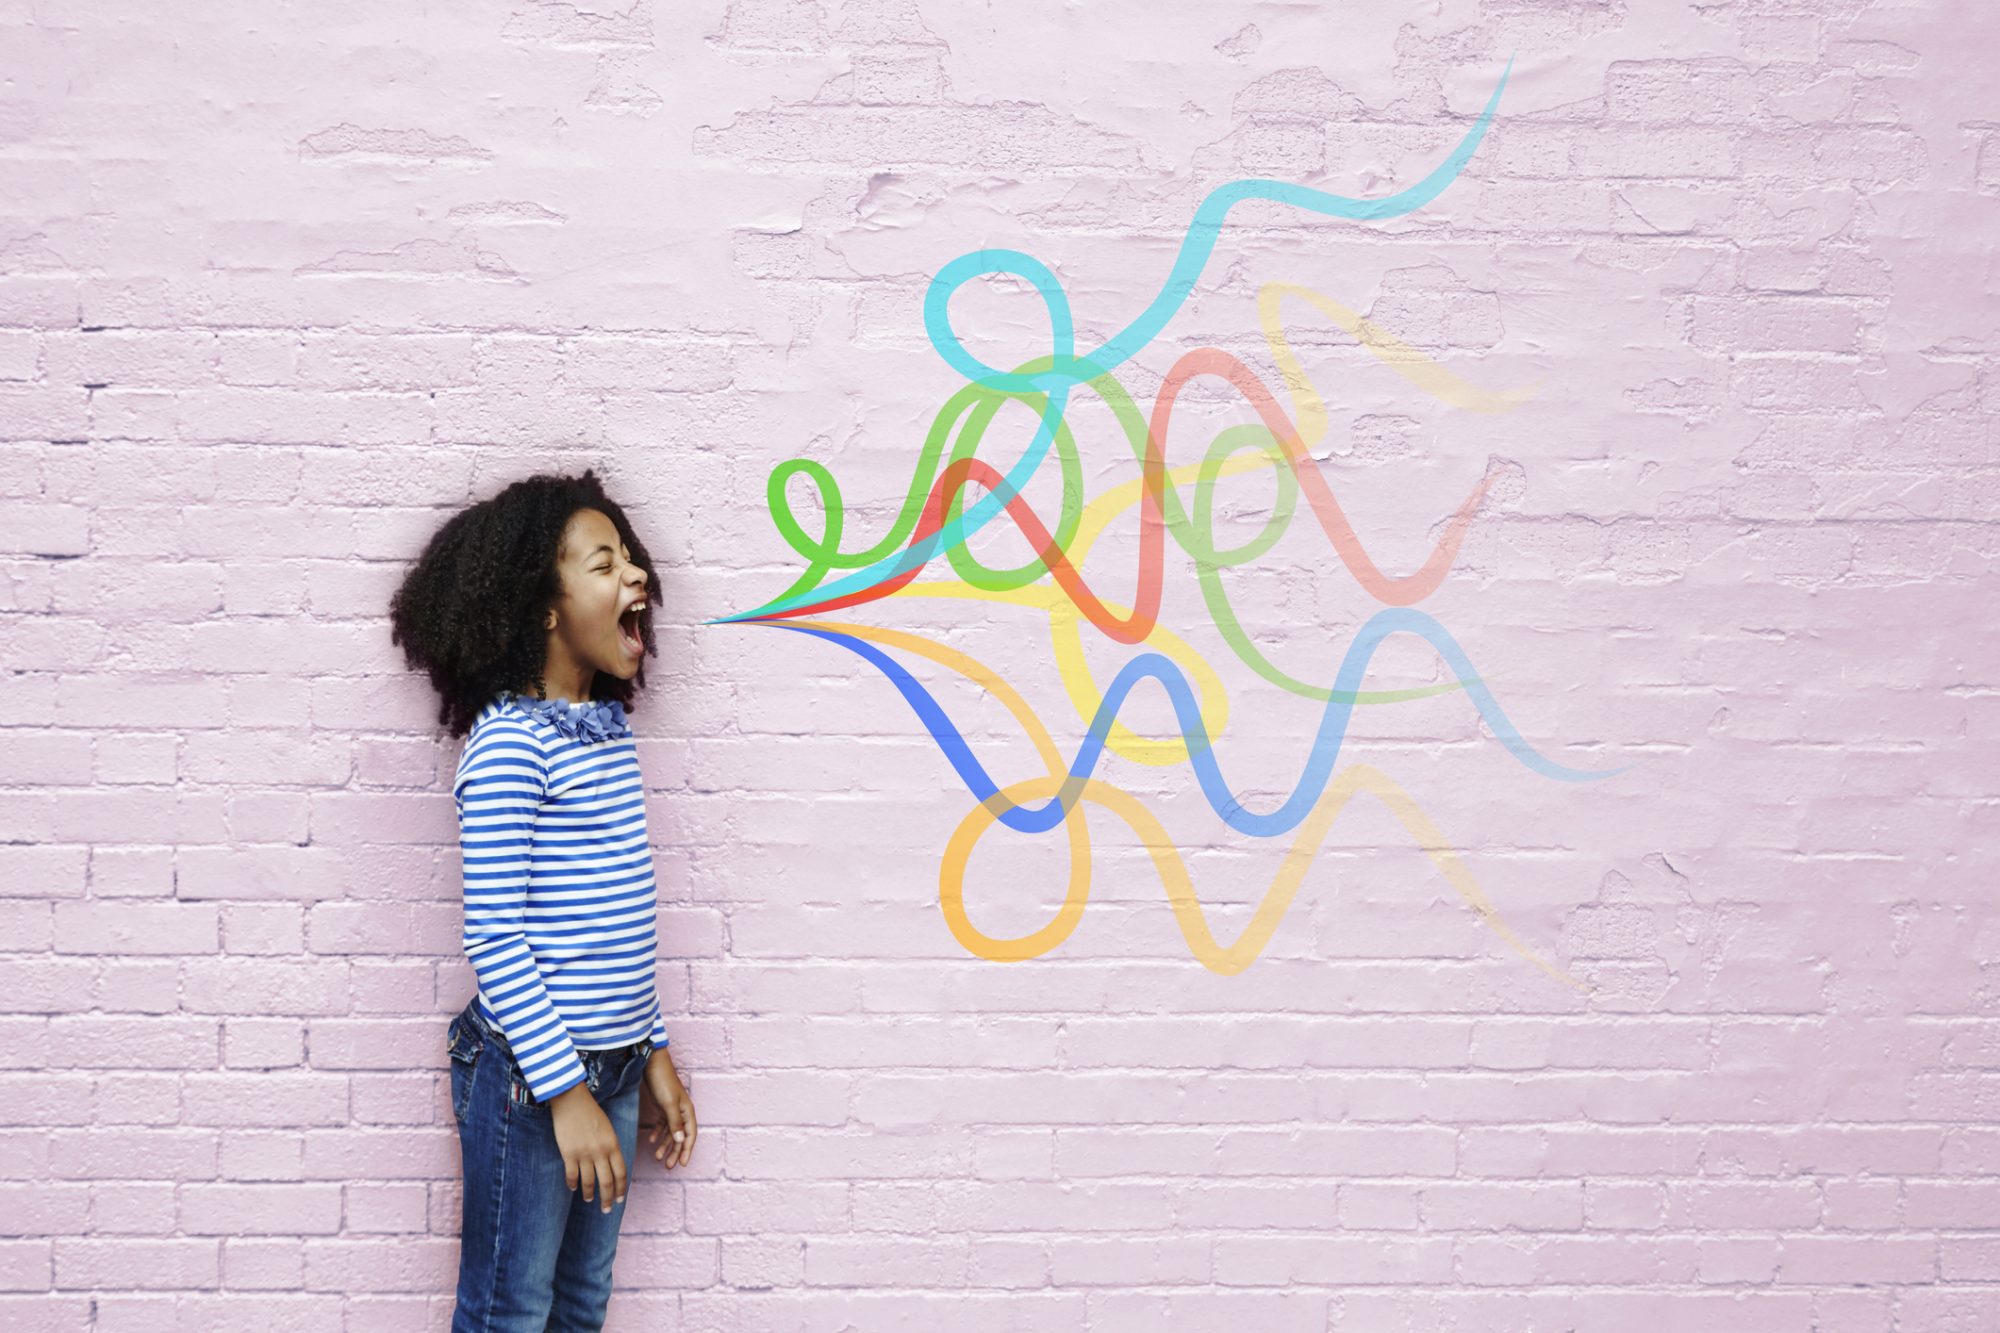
<point x="279" y="290"/>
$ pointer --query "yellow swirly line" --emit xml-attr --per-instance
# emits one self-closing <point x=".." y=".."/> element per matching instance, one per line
<point x="1065" y="627"/>
<point x="1074" y="672"/>
<point x="1407" y="361"/>
<point x="1225" y="960"/>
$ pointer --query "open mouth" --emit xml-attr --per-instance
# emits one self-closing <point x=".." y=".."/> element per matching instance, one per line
<point x="628" y="630"/>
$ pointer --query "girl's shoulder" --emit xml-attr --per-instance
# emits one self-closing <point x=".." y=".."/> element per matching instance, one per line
<point x="503" y="715"/>
<point x="505" y="739"/>
<point x="505" y="704"/>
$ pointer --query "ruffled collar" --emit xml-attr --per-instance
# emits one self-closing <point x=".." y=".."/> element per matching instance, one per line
<point x="597" y="720"/>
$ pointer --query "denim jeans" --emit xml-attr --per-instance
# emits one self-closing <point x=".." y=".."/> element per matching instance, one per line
<point x="533" y="1253"/>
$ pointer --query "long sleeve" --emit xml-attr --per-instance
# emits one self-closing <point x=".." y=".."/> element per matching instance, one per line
<point x="501" y="783"/>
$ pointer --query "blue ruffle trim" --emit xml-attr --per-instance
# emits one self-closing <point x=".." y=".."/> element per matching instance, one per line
<point x="597" y="720"/>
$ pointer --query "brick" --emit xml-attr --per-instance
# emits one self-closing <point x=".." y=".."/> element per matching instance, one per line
<point x="135" y="928"/>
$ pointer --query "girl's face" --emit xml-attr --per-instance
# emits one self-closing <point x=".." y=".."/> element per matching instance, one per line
<point x="604" y="595"/>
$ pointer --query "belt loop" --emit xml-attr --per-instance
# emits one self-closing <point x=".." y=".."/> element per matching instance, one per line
<point x="484" y="1028"/>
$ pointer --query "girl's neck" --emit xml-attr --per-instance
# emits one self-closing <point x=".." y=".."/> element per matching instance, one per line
<point x="568" y="692"/>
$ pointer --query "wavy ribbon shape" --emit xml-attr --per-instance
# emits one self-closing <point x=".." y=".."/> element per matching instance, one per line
<point x="1074" y="671"/>
<point x="1319" y="762"/>
<point x="1066" y="369"/>
<point x="1134" y="627"/>
<point x="1078" y="528"/>
<point x="1189" y="915"/>
<point x="1078" y="531"/>
<point x="980" y="405"/>
<point x="1195" y="533"/>
<point x="1065" y="619"/>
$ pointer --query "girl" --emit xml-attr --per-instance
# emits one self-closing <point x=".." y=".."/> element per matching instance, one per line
<point x="530" y="612"/>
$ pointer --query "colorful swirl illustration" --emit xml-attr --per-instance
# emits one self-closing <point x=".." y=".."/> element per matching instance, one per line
<point x="1065" y="369"/>
<point x="1181" y="897"/>
<point x="1318" y="764"/>
<point x="938" y="517"/>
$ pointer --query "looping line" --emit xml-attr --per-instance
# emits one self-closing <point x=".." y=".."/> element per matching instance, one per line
<point x="1065" y="369"/>
<point x="1189" y="915"/>
<point x="1318" y="767"/>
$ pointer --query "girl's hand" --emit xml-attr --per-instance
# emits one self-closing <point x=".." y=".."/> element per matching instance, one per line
<point x="589" y="1146"/>
<point x="663" y="1085"/>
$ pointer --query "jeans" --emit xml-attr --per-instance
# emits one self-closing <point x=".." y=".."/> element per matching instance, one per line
<point x="533" y="1253"/>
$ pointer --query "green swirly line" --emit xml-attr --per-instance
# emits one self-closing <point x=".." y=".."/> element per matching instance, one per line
<point x="823" y="554"/>
<point x="963" y="561"/>
<point x="819" y="554"/>
<point x="1209" y="562"/>
<point x="1231" y="442"/>
<point x="978" y="405"/>
<point x="1196" y="535"/>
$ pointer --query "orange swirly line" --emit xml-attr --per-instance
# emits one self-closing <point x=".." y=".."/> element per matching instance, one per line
<point x="1225" y="960"/>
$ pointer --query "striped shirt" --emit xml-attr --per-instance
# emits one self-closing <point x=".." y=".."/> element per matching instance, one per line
<point x="560" y="901"/>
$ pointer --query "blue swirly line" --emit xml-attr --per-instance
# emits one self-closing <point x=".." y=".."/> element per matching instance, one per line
<point x="1318" y="770"/>
<point x="1068" y="369"/>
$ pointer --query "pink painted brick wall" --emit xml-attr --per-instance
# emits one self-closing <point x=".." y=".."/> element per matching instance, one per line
<point x="279" y="290"/>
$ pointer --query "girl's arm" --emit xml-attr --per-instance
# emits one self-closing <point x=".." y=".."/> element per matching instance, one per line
<point x="502" y="781"/>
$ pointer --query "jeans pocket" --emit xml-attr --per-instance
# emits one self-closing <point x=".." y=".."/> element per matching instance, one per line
<point x="464" y="1044"/>
<point x="518" y="1091"/>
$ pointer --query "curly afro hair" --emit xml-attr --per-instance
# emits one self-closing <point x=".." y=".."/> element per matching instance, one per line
<point x="470" y="611"/>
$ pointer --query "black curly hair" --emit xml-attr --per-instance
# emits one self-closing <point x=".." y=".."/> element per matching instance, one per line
<point x="470" y="611"/>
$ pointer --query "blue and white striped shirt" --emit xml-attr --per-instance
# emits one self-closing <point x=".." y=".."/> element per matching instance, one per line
<point x="560" y="901"/>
